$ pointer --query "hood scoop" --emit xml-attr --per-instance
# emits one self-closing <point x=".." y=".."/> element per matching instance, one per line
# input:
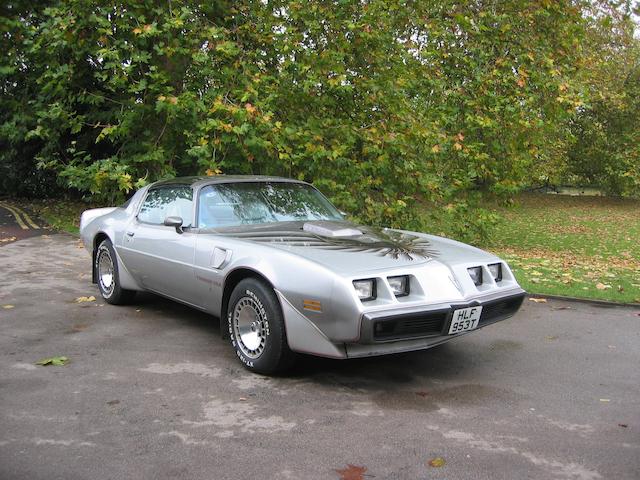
<point x="330" y="229"/>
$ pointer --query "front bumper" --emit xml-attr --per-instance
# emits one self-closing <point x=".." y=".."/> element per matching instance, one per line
<point x="380" y="327"/>
<point x="394" y="331"/>
<point x="415" y="329"/>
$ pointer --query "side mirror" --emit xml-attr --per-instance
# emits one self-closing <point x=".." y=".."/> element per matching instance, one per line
<point x="174" y="222"/>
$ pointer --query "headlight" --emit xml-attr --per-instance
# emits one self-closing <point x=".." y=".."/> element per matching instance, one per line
<point x="399" y="285"/>
<point x="476" y="275"/>
<point x="366" y="289"/>
<point x="496" y="271"/>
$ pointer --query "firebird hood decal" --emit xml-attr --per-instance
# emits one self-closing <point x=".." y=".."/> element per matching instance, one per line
<point x="381" y="242"/>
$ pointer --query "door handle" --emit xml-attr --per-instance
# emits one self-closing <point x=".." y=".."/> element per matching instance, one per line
<point x="130" y="234"/>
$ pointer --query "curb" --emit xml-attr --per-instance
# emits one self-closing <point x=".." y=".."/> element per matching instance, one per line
<point x="602" y="303"/>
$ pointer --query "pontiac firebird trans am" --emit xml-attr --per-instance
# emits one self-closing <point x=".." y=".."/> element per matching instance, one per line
<point x="289" y="274"/>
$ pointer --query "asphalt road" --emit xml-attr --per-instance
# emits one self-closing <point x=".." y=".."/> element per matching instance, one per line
<point x="17" y="224"/>
<point x="152" y="392"/>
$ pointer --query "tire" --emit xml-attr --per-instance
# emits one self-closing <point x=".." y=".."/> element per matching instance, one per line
<point x="256" y="328"/>
<point x="108" y="277"/>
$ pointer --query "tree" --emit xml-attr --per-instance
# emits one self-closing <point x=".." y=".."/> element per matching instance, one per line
<point x="380" y="103"/>
<point x="605" y="148"/>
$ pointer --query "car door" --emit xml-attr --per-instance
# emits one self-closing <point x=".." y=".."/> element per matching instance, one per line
<point x="158" y="256"/>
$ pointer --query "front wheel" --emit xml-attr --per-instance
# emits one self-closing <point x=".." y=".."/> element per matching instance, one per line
<point x="256" y="328"/>
<point x="106" y="266"/>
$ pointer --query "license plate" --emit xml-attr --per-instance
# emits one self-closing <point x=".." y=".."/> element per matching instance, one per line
<point x="465" y="319"/>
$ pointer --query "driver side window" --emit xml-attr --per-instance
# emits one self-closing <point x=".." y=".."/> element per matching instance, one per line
<point x="170" y="201"/>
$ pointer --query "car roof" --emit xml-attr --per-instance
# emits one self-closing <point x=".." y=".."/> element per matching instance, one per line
<point x="198" y="181"/>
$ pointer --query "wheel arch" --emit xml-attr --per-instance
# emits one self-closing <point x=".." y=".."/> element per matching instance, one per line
<point x="232" y="279"/>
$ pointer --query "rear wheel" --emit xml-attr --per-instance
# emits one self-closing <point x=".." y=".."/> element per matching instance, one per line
<point x="256" y="328"/>
<point x="107" y="275"/>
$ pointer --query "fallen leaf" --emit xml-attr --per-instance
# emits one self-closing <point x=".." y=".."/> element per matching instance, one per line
<point x="113" y="402"/>
<point x="55" y="361"/>
<point x="623" y="425"/>
<point x="605" y="400"/>
<point x="243" y="399"/>
<point x="352" y="472"/>
<point x="538" y="300"/>
<point x="7" y="239"/>
<point x="551" y="337"/>
<point x="422" y="394"/>
<point x="85" y="299"/>
<point x="602" y="286"/>
<point x="436" y="462"/>
<point x="9" y="307"/>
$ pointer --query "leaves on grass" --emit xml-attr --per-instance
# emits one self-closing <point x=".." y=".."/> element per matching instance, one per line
<point x="55" y="361"/>
<point x="436" y="462"/>
<point x="538" y="300"/>
<point x="352" y="472"/>
<point x="85" y="299"/>
<point x="602" y="286"/>
<point x="8" y="307"/>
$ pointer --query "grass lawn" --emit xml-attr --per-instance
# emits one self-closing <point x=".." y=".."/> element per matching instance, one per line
<point x="63" y="215"/>
<point x="574" y="246"/>
<point x="585" y="247"/>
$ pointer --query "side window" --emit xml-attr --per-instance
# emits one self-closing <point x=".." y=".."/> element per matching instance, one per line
<point x="163" y="202"/>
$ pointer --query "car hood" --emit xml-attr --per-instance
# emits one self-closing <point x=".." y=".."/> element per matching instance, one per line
<point x="346" y="247"/>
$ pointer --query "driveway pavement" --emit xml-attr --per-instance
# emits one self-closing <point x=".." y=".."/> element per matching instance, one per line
<point x="152" y="392"/>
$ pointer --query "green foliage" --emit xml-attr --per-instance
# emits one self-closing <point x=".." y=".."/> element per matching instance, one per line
<point x="379" y="103"/>
<point x="605" y="150"/>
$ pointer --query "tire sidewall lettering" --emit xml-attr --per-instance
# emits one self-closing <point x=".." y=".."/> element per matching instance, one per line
<point x="265" y="319"/>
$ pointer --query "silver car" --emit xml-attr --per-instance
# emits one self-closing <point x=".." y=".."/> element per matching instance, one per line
<point x="276" y="260"/>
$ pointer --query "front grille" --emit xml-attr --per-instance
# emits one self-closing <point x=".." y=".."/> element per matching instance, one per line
<point x="503" y="308"/>
<point x="409" y="326"/>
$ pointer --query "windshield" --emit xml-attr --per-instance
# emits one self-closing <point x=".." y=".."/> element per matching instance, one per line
<point x="247" y="203"/>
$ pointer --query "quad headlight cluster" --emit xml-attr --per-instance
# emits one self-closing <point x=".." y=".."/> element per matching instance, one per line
<point x="476" y="273"/>
<point x="367" y="288"/>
